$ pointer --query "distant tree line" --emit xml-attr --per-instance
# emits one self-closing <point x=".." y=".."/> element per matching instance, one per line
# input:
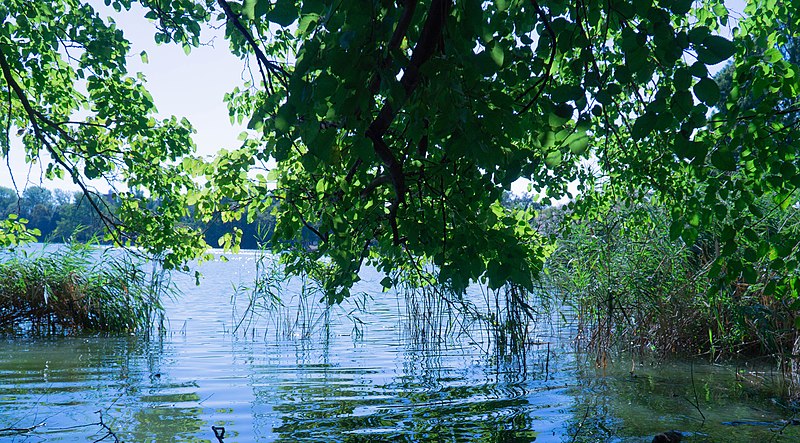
<point x="63" y="216"/>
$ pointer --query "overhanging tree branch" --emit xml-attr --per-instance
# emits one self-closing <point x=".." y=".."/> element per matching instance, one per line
<point x="112" y="226"/>
<point x="542" y="82"/>
<point x="423" y="51"/>
<point x="271" y="66"/>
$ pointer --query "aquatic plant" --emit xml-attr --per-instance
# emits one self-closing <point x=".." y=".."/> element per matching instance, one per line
<point x="63" y="289"/>
<point x="289" y="311"/>
<point x="634" y="286"/>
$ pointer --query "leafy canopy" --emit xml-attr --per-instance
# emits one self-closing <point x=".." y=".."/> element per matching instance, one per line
<point x="397" y="125"/>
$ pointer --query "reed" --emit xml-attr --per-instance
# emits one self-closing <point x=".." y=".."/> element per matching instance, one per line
<point x="287" y="307"/>
<point x="80" y="288"/>
<point x="636" y="289"/>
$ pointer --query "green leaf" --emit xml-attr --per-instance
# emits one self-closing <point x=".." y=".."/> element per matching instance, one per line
<point x="723" y="158"/>
<point x="579" y="144"/>
<point x="715" y="49"/>
<point x="386" y="282"/>
<point x="284" y="13"/>
<point x="689" y="235"/>
<point x="553" y="159"/>
<point x="682" y="79"/>
<point x="561" y="114"/>
<point x="565" y="93"/>
<point x="307" y="23"/>
<point x="685" y="148"/>
<point x="644" y="126"/>
<point x="497" y="55"/>
<point x="144" y="57"/>
<point x="707" y="91"/>
<point x="698" y="69"/>
<point x="680" y="7"/>
<point x="698" y="34"/>
<point x="502" y="5"/>
<point x="248" y="9"/>
<point x="675" y="229"/>
<point x="681" y="104"/>
<point x="772" y="55"/>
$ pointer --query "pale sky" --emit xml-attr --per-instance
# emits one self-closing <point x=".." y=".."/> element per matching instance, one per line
<point x="186" y="86"/>
<point x="190" y="86"/>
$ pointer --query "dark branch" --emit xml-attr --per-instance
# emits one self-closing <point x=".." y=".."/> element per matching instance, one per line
<point x="394" y="42"/>
<point x="542" y="82"/>
<point x="271" y="66"/>
<point x="378" y="181"/>
<point x="423" y="51"/>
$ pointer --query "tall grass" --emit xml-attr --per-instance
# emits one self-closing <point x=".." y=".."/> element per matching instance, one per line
<point x="636" y="289"/>
<point x="67" y="289"/>
<point x="503" y="322"/>
<point x="289" y="307"/>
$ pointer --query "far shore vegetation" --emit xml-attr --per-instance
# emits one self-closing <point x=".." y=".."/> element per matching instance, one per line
<point x="65" y="216"/>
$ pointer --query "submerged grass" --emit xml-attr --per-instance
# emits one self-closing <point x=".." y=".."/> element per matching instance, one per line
<point x="68" y="289"/>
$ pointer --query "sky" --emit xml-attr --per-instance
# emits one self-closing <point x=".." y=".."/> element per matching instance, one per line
<point x="190" y="86"/>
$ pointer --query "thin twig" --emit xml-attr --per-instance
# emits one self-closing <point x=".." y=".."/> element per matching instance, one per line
<point x="580" y="425"/>
<point x="273" y="67"/>
<point x="694" y="388"/>
<point x="219" y="432"/>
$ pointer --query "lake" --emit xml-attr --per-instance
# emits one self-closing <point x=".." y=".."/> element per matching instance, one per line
<point x="353" y="376"/>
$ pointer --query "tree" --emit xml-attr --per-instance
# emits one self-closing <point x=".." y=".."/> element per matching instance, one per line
<point x="36" y="205"/>
<point x="396" y="126"/>
<point x="77" y="220"/>
<point x="71" y="101"/>
<point x="8" y="197"/>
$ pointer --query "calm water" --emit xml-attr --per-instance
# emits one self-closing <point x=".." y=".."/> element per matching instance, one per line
<point x="269" y="382"/>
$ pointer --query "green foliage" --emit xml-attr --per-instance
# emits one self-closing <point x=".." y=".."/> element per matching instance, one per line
<point x="73" y="105"/>
<point x="13" y="232"/>
<point x="397" y="126"/>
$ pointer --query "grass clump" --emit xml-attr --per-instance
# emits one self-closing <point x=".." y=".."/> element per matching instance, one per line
<point x="79" y="288"/>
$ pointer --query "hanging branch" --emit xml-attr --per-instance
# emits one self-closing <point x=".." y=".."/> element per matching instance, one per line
<point x="272" y="67"/>
<point x="426" y="46"/>
<point x="34" y="116"/>
<point x="542" y="82"/>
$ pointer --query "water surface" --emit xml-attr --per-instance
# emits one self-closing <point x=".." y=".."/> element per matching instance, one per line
<point x="273" y="382"/>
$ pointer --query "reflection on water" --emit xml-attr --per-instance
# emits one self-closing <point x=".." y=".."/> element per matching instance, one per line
<point x="340" y="387"/>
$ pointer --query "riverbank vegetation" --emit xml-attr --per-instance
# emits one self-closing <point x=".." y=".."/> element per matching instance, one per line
<point x="638" y="289"/>
<point x="80" y="288"/>
<point x="61" y="216"/>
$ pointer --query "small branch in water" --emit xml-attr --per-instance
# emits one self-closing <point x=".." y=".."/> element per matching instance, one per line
<point x="696" y="403"/>
<point x="109" y="432"/>
<point x="219" y="432"/>
<point x="580" y="425"/>
<point x="5" y="431"/>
